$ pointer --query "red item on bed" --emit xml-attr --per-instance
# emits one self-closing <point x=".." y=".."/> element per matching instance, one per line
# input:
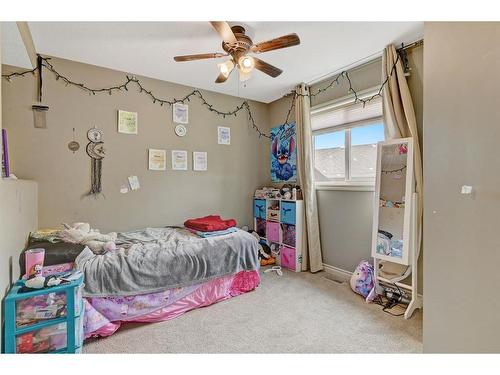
<point x="210" y="223"/>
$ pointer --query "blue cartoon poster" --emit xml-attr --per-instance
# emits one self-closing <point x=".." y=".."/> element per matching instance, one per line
<point x="284" y="153"/>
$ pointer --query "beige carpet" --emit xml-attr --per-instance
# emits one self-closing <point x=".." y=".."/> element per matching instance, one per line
<point x="295" y="313"/>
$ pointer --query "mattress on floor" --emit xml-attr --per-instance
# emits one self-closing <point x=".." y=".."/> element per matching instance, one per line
<point x="104" y="315"/>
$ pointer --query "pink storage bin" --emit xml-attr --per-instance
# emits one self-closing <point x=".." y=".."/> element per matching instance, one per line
<point x="273" y="231"/>
<point x="288" y="257"/>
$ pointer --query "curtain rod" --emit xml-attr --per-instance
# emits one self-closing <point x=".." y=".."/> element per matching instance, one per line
<point x="364" y="61"/>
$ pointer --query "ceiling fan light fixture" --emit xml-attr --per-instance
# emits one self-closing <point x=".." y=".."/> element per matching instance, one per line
<point x="226" y="67"/>
<point x="246" y="64"/>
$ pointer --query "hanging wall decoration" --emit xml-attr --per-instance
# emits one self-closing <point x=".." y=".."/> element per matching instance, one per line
<point x="223" y="135"/>
<point x="180" y="112"/>
<point x="283" y="153"/>
<point x="74" y="145"/>
<point x="40" y="110"/>
<point x="179" y="160"/>
<point x="180" y="130"/>
<point x="95" y="149"/>
<point x="157" y="160"/>
<point x="127" y="122"/>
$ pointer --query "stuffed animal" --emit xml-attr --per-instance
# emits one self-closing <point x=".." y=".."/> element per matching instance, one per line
<point x="83" y="234"/>
<point x="265" y="255"/>
<point x="362" y="281"/>
<point x="39" y="282"/>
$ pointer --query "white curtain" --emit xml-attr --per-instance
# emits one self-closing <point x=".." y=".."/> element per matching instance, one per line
<point x="400" y="120"/>
<point x="312" y="245"/>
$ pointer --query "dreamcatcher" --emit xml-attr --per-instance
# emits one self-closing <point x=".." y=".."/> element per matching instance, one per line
<point x="95" y="149"/>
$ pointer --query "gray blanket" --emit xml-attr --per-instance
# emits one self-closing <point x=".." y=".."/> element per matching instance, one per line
<point x="155" y="259"/>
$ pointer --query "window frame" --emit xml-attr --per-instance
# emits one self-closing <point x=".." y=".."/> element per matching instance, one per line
<point x="347" y="182"/>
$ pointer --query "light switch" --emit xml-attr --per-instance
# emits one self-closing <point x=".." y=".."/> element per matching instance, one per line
<point x="466" y="189"/>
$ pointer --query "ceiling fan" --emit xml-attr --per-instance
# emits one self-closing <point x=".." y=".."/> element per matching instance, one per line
<point x="238" y="45"/>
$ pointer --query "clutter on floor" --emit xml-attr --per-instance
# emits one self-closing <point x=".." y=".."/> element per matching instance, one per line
<point x="47" y="320"/>
<point x="265" y="253"/>
<point x="362" y="281"/>
<point x="276" y="269"/>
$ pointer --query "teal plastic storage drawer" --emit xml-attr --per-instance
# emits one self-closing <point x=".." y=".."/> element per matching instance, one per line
<point x="259" y="208"/>
<point x="44" y="321"/>
<point x="288" y="212"/>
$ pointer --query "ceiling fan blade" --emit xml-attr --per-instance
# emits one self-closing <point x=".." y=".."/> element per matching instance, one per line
<point x="222" y="77"/>
<point x="277" y="43"/>
<point x="267" y="68"/>
<point x="199" y="56"/>
<point x="224" y="31"/>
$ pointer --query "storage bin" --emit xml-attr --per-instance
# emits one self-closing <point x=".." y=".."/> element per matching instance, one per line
<point x="273" y="231"/>
<point x="288" y="234"/>
<point x="52" y="338"/>
<point x="260" y="227"/>
<point x="44" y="321"/>
<point x="273" y="215"/>
<point x="259" y="208"/>
<point x="44" y="307"/>
<point x="288" y="212"/>
<point x="288" y="258"/>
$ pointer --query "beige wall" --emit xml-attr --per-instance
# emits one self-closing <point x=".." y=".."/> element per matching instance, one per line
<point x="166" y="197"/>
<point x="346" y="216"/>
<point x="461" y="137"/>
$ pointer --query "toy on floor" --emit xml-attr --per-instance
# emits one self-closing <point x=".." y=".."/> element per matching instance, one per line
<point x="276" y="269"/>
<point x="362" y="281"/>
<point x="265" y="254"/>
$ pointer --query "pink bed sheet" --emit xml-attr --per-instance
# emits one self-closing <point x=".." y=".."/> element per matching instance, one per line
<point x="104" y="315"/>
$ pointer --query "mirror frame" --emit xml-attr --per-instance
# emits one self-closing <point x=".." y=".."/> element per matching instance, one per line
<point x="406" y="259"/>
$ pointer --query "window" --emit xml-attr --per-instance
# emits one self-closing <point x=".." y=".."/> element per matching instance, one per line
<point x="329" y="156"/>
<point x="364" y="141"/>
<point x="345" y="143"/>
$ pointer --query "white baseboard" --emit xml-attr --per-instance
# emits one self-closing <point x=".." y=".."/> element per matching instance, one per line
<point x="338" y="273"/>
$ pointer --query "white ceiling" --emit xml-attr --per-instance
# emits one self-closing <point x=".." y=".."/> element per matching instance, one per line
<point x="148" y="48"/>
<point x="13" y="51"/>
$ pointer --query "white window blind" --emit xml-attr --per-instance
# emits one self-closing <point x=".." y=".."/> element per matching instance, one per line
<point x="346" y="114"/>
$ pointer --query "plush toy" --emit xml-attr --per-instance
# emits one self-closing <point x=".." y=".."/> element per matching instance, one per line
<point x="83" y="234"/>
<point x="39" y="282"/>
<point x="362" y="281"/>
<point x="265" y="255"/>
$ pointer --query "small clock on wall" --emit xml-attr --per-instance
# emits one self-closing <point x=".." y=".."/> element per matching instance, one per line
<point x="180" y="130"/>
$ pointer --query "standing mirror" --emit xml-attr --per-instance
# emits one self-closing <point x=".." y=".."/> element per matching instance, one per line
<point x="393" y="201"/>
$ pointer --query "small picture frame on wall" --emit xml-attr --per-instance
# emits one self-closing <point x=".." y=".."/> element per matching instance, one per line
<point x="200" y="162"/>
<point x="180" y="113"/>
<point x="127" y="122"/>
<point x="223" y="135"/>
<point x="157" y="160"/>
<point x="179" y="160"/>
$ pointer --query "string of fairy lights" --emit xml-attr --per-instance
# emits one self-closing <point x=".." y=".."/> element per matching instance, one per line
<point x="245" y="105"/>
